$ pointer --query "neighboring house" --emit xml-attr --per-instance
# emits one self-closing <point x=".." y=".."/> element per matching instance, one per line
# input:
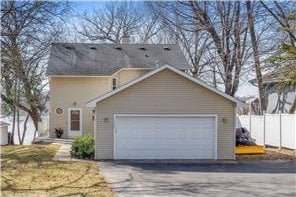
<point x="154" y="111"/>
<point x="279" y="96"/>
<point x="80" y="72"/>
<point x="248" y="105"/>
<point x="164" y="114"/>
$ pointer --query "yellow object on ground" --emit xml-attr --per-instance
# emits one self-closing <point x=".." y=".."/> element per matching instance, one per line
<point x="249" y="150"/>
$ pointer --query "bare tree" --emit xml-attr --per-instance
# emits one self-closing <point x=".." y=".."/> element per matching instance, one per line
<point x="195" y="45"/>
<point x="193" y="42"/>
<point x="282" y="17"/>
<point x="117" y="21"/>
<point x="27" y="30"/>
<point x="217" y="28"/>
<point x="149" y="28"/>
<point x="278" y="17"/>
<point x="229" y="37"/>
<point x="111" y="23"/>
<point x="256" y="56"/>
<point x="286" y="19"/>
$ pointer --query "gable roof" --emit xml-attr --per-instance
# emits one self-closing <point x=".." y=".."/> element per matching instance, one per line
<point x="88" y="59"/>
<point x="93" y="102"/>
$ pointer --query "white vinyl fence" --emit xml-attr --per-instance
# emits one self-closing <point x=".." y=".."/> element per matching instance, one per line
<point x="271" y="129"/>
<point x="43" y="128"/>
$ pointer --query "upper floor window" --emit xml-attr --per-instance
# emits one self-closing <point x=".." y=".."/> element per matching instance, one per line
<point x="114" y="83"/>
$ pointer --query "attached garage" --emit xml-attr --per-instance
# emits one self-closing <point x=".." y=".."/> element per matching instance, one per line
<point x="165" y="136"/>
<point x="164" y="114"/>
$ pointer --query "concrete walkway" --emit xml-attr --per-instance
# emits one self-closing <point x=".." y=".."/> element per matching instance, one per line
<point x="63" y="153"/>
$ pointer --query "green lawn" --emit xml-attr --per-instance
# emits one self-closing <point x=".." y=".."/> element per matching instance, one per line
<point x="30" y="171"/>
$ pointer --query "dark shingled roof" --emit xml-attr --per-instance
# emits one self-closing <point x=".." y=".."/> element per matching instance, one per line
<point x="105" y="59"/>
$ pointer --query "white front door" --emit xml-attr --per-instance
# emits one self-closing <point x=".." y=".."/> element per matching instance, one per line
<point x="74" y="122"/>
<point x="165" y="137"/>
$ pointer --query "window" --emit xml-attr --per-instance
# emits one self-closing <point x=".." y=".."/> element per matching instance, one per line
<point x="114" y="83"/>
<point x="75" y="120"/>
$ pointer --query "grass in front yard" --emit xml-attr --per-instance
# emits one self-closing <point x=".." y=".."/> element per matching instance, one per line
<point x="30" y="171"/>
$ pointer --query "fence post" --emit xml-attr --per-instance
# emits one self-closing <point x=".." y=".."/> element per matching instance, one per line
<point x="294" y="133"/>
<point x="264" y="128"/>
<point x="280" y="119"/>
<point x="250" y="122"/>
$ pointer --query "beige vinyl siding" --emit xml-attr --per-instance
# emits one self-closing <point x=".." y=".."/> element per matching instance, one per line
<point x="165" y="93"/>
<point x="126" y="75"/>
<point x="64" y="91"/>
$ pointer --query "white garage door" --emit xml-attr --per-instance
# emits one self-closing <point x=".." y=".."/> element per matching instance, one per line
<point x="165" y="137"/>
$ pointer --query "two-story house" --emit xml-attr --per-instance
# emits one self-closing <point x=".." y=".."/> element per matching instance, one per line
<point x="79" y="72"/>
<point x="138" y="102"/>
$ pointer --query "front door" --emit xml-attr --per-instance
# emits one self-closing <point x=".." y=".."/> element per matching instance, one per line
<point x="74" y="123"/>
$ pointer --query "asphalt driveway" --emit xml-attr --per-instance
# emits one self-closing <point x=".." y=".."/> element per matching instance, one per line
<point x="166" y="179"/>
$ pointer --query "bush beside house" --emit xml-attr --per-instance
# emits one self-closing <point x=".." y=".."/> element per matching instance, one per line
<point x="83" y="147"/>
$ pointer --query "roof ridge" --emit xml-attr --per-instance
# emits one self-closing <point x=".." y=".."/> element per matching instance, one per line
<point x="90" y="43"/>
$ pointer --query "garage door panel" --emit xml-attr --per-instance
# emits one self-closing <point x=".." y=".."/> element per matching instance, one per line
<point x="166" y="149"/>
<point x="141" y="137"/>
<point x="168" y="155"/>
<point x="158" y="146"/>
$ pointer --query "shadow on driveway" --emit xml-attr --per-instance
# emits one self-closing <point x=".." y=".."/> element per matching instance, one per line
<point x="180" y="180"/>
<point x="250" y="167"/>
